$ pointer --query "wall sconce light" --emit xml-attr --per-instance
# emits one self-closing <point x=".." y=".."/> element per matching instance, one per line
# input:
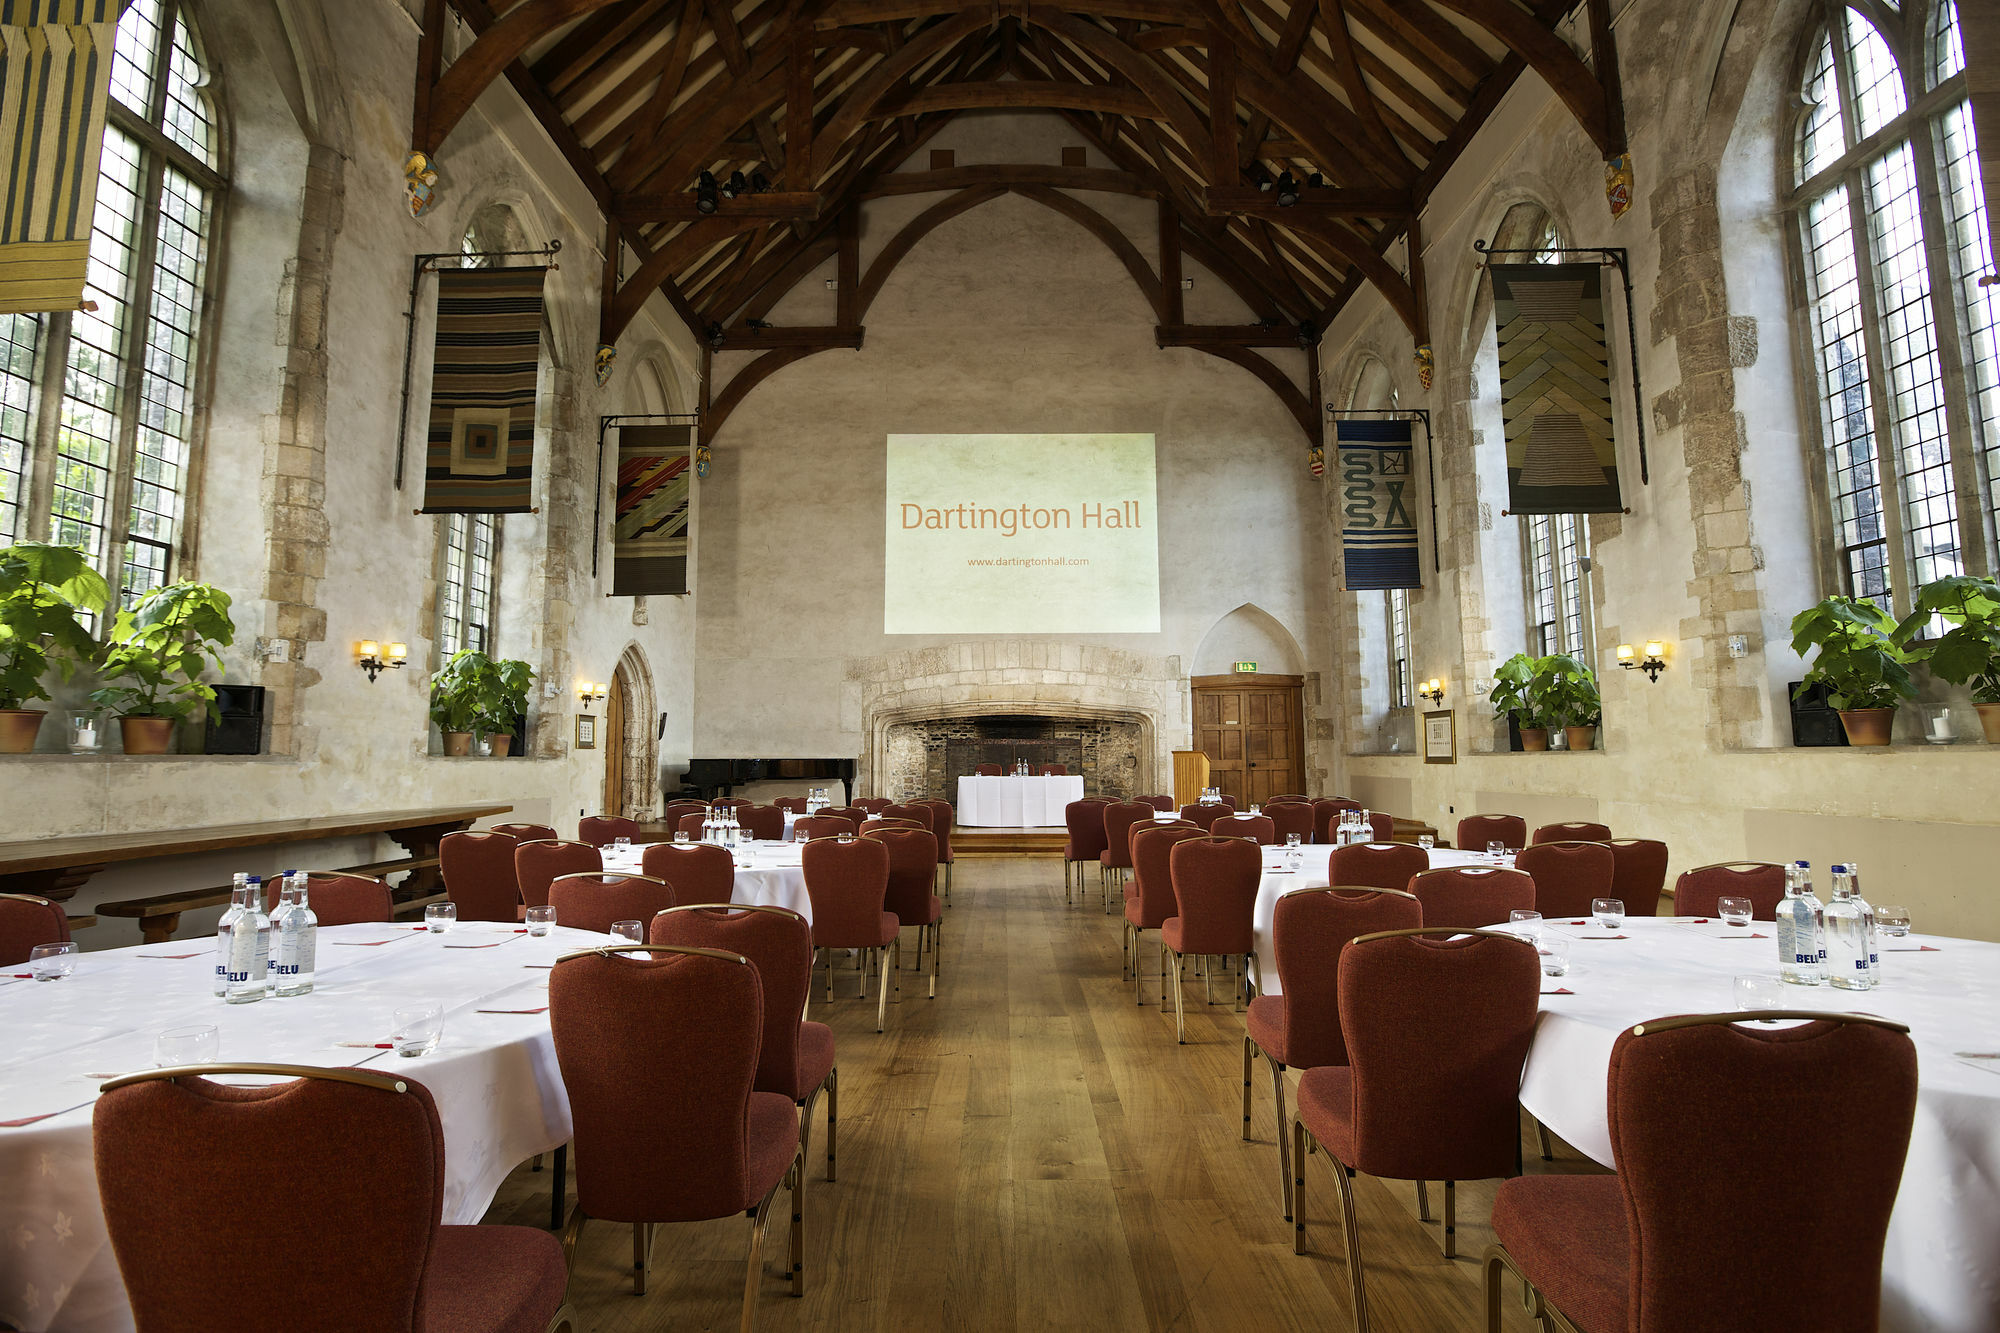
<point x="588" y="693"/>
<point x="1653" y="663"/>
<point x="371" y="657"/>
<point x="1432" y="689"/>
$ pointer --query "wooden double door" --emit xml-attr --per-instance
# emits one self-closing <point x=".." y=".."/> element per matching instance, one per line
<point x="1252" y="728"/>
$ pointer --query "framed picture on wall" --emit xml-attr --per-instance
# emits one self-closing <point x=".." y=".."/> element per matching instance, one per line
<point x="1440" y="738"/>
<point x="586" y="731"/>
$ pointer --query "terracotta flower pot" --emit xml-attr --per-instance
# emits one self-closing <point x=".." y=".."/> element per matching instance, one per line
<point x="146" y="735"/>
<point x="1581" y="738"/>
<point x="1867" y="726"/>
<point x="503" y="745"/>
<point x="1534" y="738"/>
<point x="1989" y="721"/>
<point x="18" y="729"/>
<point x="458" y="744"/>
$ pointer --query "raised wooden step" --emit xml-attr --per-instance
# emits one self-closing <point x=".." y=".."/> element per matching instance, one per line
<point x="1014" y="843"/>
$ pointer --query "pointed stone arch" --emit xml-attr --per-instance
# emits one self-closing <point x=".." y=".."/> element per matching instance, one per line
<point x="637" y="750"/>
<point x="1249" y="633"/>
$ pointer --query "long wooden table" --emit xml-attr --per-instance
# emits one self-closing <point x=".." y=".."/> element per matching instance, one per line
<point x="55" y="867"/>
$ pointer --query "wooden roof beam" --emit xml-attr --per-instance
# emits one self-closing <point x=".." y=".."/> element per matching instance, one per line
<point x="499" y="44"/>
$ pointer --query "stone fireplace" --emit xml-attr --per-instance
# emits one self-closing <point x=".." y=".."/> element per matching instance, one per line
<point x="927" y="757"/>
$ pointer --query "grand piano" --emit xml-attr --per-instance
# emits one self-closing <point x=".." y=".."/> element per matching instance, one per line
<point x="707" y="779"/>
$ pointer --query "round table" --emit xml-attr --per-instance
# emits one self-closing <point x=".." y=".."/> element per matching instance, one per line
<point x="767" y="873"/>
<point x="494" y="1078"/>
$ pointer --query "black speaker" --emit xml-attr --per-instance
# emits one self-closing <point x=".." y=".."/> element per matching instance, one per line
<point x="241" y="730"/>
<point x="1814" y="720"/>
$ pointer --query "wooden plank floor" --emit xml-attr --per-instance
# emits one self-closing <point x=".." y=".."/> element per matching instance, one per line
<point x="1032" y="1150"/>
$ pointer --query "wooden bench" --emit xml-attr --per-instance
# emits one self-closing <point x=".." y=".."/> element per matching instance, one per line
<point x="160" y="915"/>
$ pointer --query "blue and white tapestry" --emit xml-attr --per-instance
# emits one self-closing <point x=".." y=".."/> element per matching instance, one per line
<point x="1378" y="530"/>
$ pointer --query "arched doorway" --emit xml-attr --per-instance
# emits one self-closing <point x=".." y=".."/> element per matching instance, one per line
<point x="631" y="740"/>
<point x="617" y="709"/>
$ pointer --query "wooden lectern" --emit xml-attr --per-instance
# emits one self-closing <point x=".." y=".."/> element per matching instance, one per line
<point x="1190" y="776"/>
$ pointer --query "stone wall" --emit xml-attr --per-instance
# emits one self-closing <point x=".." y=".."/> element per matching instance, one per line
<point x="926" y="758"/>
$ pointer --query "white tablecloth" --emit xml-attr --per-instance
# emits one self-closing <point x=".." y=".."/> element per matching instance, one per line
<point x="1941" y="1269"/>
<point x="1312" y="874"/>
<point x="494" y="1078"/>
<point x="1011" y="802"/>
<point x="767" y="873"/>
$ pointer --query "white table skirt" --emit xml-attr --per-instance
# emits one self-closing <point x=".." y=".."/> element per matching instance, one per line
<point x="499" y="1093"/>
<point x="1015" y="802"/>
<point x="767" y="873"/>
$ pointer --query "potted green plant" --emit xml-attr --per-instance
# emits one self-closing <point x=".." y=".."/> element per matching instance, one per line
<point x="1514" y="695"/>
<point x="41" y="589"/>
<point x="459" y="694"/>
<point x="1966" y="654"/>
<point x="1566" y="691"/>
<point x="160" y="648"/>
<point x="506" y="701"/>
<point x="1856" y="658"/>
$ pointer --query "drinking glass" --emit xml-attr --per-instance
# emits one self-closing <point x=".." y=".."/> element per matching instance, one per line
<point x="187" y="1046"/>
<point x="1893" y="921"/>
<point x="417" y="1028"/>
<point x="1427" y="840"/>
<point x="621" y="842"/>
<point x="680" y="835"/>
<point x="541" y="920"/>
<point x="631" y="932"/>
<point x="1496" y="851"/>
<point x="1759" y="992"/>
<point x="1527" y="922"/>
<point x="1736" y="911"/>
<point x="440" y="917"/>
<point x="847" y="837"/>
<point x="1554" y="952"/>
<point x="1610" y="912"/>
<point x="1291" y="840"/>
<point x="52" y="962"/>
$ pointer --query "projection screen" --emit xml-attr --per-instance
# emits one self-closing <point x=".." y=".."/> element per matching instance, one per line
<point x="1021" y="534"/>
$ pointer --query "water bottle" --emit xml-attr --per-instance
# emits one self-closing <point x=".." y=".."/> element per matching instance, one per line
<point x="708" y="825"/>
<point x="1800" y="923"/>
<point x="736" y="837"/>
<point x="1847" y="937"/>
<point x="298" y="939"/>
<point x="247" y="948"/>
<point x="238" y="883"/>
<point x="1867" y="911"/>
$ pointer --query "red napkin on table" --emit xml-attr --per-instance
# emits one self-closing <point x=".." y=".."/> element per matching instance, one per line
<point x="1561" y="990"/>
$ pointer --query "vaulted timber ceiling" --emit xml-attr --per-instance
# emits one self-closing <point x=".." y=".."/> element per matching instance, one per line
<point x="1199" y="104"/>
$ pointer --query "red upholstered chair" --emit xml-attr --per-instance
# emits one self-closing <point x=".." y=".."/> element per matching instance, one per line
<point x="1215" y="894"/>
<point x="1203" y="816"/>
<point x="660" y="1046"/>
<point x="478" y="870"/>
<point x="1381" y="826"/>
<point x="692" y="822"/>
<point x="26" y="921"/>
<point x="1699" y="892"/>
<point x="1149" y="898"/>
<point x="699" y="872"/>
<point x="986" y="771"/>
<point x="536" y="865"/>
<point x="1290" y="817"/>
<point x="853" y="814"/>
<point x="912" y="894"/>
<point x="1469" y="897"/>
<point x="825" y="826"/>
<point x="1053" y="770"/>
<point x="1159" y="803"/>
<point x="679" y="810"/>
<point x="919" y="814"/>
<point x="796" y="1058"/>
<point x="1326" y="812"/>
<point x="603" y="830"/>
<point x="874" y="805"/>
<point x="795" y="804"/>
<point x="765" y="823"/>
<point x="363" y="1249"/>
<point x="943" y="819"/>
<point x="1638" y="874"/>
<point x="594" y="901"/>
<point x="731" y="802"/>
<point x="1377" y="865"/>
<point x="1119" y="817"/>
<point x="1300" y="1026"/>
<point x="1260" y="829"/>
<point x="874" y="822"/>
<point x="1283" y="797"/>
<point x="1704" y="1114"/>
<point x="848" y="886"/>
<point x="1085" y="821"/>
<point x="337" y="898"/>
<point x="1437" y="1025"/>
<point x="1574" y="831"/>
<point x="1475" y="831"/>
<point x="525" y="832"/>
<point x="1567" y="875"/>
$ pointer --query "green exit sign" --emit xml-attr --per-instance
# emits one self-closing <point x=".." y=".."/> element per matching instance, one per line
<point x="1246" y="666"/>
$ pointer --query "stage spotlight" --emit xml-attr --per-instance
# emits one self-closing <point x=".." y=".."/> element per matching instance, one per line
<point x="736" y="186"/>
<point x="1315" y="181"/>
<point x="704" y="193"/>
<point x="759" y="182"/>
<point x="756" y="323"/>
<point x="1288" y="190"/>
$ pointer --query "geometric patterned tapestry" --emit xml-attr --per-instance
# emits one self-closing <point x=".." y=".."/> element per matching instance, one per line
<point x="1555" y="389"/>
<point x="649" y="538"/>
<point x="55" y="74"/>
<point x="1378" y="537"/>
<point x="480" y="455"/>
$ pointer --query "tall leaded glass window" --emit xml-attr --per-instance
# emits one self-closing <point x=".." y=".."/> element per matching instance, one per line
<point x="97" y="408"/>
<point x="1402" y="692"/>
<point x="1894" y="237"/>
<point x="1558" y="612"/>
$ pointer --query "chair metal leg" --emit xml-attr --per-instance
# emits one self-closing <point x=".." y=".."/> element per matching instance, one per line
<point x="1343" y="1176"/>
<point x="1180" y="1014"/>
<point x="1208" y="981"/>
<point x="1249" y="1058"/>
<point x="1163" y="972"/>
<point x="642" y="1255"/>
<point x="571" y="1234"/>
<point x="832" y="1115"/>
<point x="937" y="956"/>
<point x="1138" y="968"/>
<point x="798" y="1176"/>
<point x="560" y="1188"/>
<point x="564" y="1321"/>
<point x="1300" y="1135"/>
<point x="1284" y="1146"/>
<point x="756" y="1264"/>
<point x="1450" y="1220"/>
<point x="1493" y="1266"/>
<point x="1542" y="1136"/>
<point x="1423" y="1201"/>
<point x="829" y="975"/>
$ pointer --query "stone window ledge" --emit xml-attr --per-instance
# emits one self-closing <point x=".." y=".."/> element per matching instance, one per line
<point x="1895" y="747"/>
<point x="493" y="759"/>
<point x="56" y="757"/>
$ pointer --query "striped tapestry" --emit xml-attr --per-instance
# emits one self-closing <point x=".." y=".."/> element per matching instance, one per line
<point x="649" y="539"/>
<point x="481" y="450"/>
<point x="55" y="75"/>
<point x="1378" y="535"/>
<point x="1555" y="389"/>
